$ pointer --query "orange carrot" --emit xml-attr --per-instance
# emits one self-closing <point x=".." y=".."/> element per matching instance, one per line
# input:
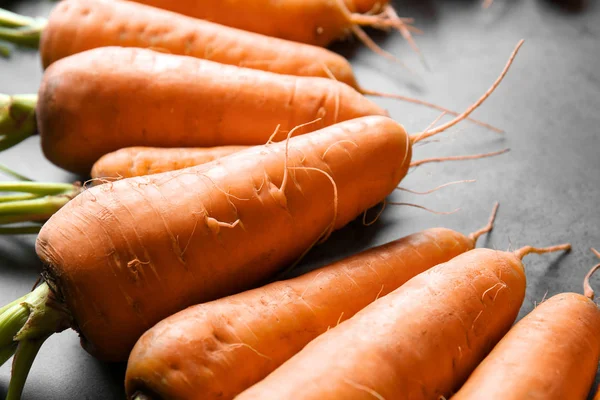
<point x="79" y="25"/>
<point x="234" y="342"/>
<point x="550" y="354"/>
<point x="137" y="97"/>
<point x="138" y="161"/>
<point x="419" y="342"/>
<point x="318" y="22"/>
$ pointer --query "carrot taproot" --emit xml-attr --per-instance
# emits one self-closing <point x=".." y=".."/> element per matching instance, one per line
<point x="137" y="97"/>
<point x="318" y="22"/>
<point x="234" y="342"/>
<point x="75" y="26"/>
<point x="560" y="337"/>
<point x="138" y="161"/>
<point x="419" y="342"/>
<point x="140" y="249"/>
<point x="78" y="25"/>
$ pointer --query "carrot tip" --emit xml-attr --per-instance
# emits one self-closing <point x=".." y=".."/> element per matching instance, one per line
<point x="535" y="250"/>
<point x="488" y="228"/>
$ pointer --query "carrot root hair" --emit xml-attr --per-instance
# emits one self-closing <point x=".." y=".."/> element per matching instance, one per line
<point x="424" y="208"/>
<point x="588" y="291"/>
<point x="429" y="133"/>
<point x="458" y="158"/>
<point x="488" y="228"/>
<point x="522" y="252"/>
<point x="436" y="188"/>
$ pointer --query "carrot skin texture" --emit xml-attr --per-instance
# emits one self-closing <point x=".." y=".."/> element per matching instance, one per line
<point x="419" y="342"/>
<point x="318" y="22"/>
<point x="104" y="99"/>
<point x="139" y="161"/>
<point x="140" y="249"/>
<point x="256" y="331"/>
<point x="550" y="354"/>
<point x="78" y="25"/>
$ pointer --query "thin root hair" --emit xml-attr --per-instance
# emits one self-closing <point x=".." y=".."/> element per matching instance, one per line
<point x="424" y="208"/>
<point x="522" y="252"/>
<point x="364" y="219"/>
<point x="458" y="158"/>
<point x="474" y="106"/>
<point x="488" y="228"/>
<point x="435" y="189"/>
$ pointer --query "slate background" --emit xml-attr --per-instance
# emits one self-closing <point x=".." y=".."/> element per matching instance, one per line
<point x="548" y="185"/>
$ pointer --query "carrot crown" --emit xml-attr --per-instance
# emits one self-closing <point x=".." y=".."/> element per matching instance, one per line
<point x="17" y="119"/>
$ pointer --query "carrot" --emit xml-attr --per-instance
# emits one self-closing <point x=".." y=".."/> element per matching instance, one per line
<point x="419" y="342"/>
<point x="138" y="161"/>
<point x="552" y="353"/>
<point x="102" y="23"/>
<point x="137" y="97"/>
<point x="317" y="22"/>
<point x="122" y="256"/>
<point x="234" y="342"/>
<point x="78" y="25"/>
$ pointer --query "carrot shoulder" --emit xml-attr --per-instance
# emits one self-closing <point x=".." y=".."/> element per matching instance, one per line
<point x="234" y="342"/>
<point x="420" y="342"/>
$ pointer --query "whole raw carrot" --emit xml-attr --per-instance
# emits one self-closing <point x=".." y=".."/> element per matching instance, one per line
<point x="138" y="161"/>
<point x="419" y="342"/>
<point x="318" y="22"/>
<point x="550" y="354"/>
<point x="137" y="97"/>
<point x="234" y="342"/>
<point x="78" y="25"/>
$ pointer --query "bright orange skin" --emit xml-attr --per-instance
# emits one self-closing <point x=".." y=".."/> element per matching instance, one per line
<point x="551" y="354"/>
<point x="125" y="255"/>
<point x="139" y="161"/>
<point x="419" y="342"/>
<point x="317" y="22"/>
<point x="78" y="25"/>
<point x="102" y="100"/>
<point x="218" y="349"/>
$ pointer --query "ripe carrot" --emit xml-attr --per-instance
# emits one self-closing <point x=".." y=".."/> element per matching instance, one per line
<point x="122" y="256"/>
<point x="419" y="342"/>
<point x="78" y="25"/>
<point x="75" y="26"/>
<point x="138" y="161"/>
<point x="552" y="353"/>
<point x="318" y="22"/>
<point x="234" y="342"/>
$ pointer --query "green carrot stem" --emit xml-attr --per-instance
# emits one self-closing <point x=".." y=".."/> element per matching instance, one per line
<point x="17" y="119"/>
<point x="4" y="51"/>
<point x="24" y="357"/>
<point x="17" y="197"/>
<point x="32" y="210"/>
<point x="25" y="37"/>
<point x="20" y="230"/>
<point x="14" y="174"/>
<point x="14" y="20"/>
<point x="27" y="323"/>
<point x="38" y="188"/>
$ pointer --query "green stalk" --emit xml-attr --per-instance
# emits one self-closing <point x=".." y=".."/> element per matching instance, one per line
<point x="24" y="326"/>
<point x="14" y="20"/>
<point x="36" y="202"/>
<point x="24" y="37"/>
<point x="17" y="119"/>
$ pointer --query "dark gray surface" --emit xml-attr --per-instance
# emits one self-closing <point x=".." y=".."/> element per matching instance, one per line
<point x="548" y="185"/>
